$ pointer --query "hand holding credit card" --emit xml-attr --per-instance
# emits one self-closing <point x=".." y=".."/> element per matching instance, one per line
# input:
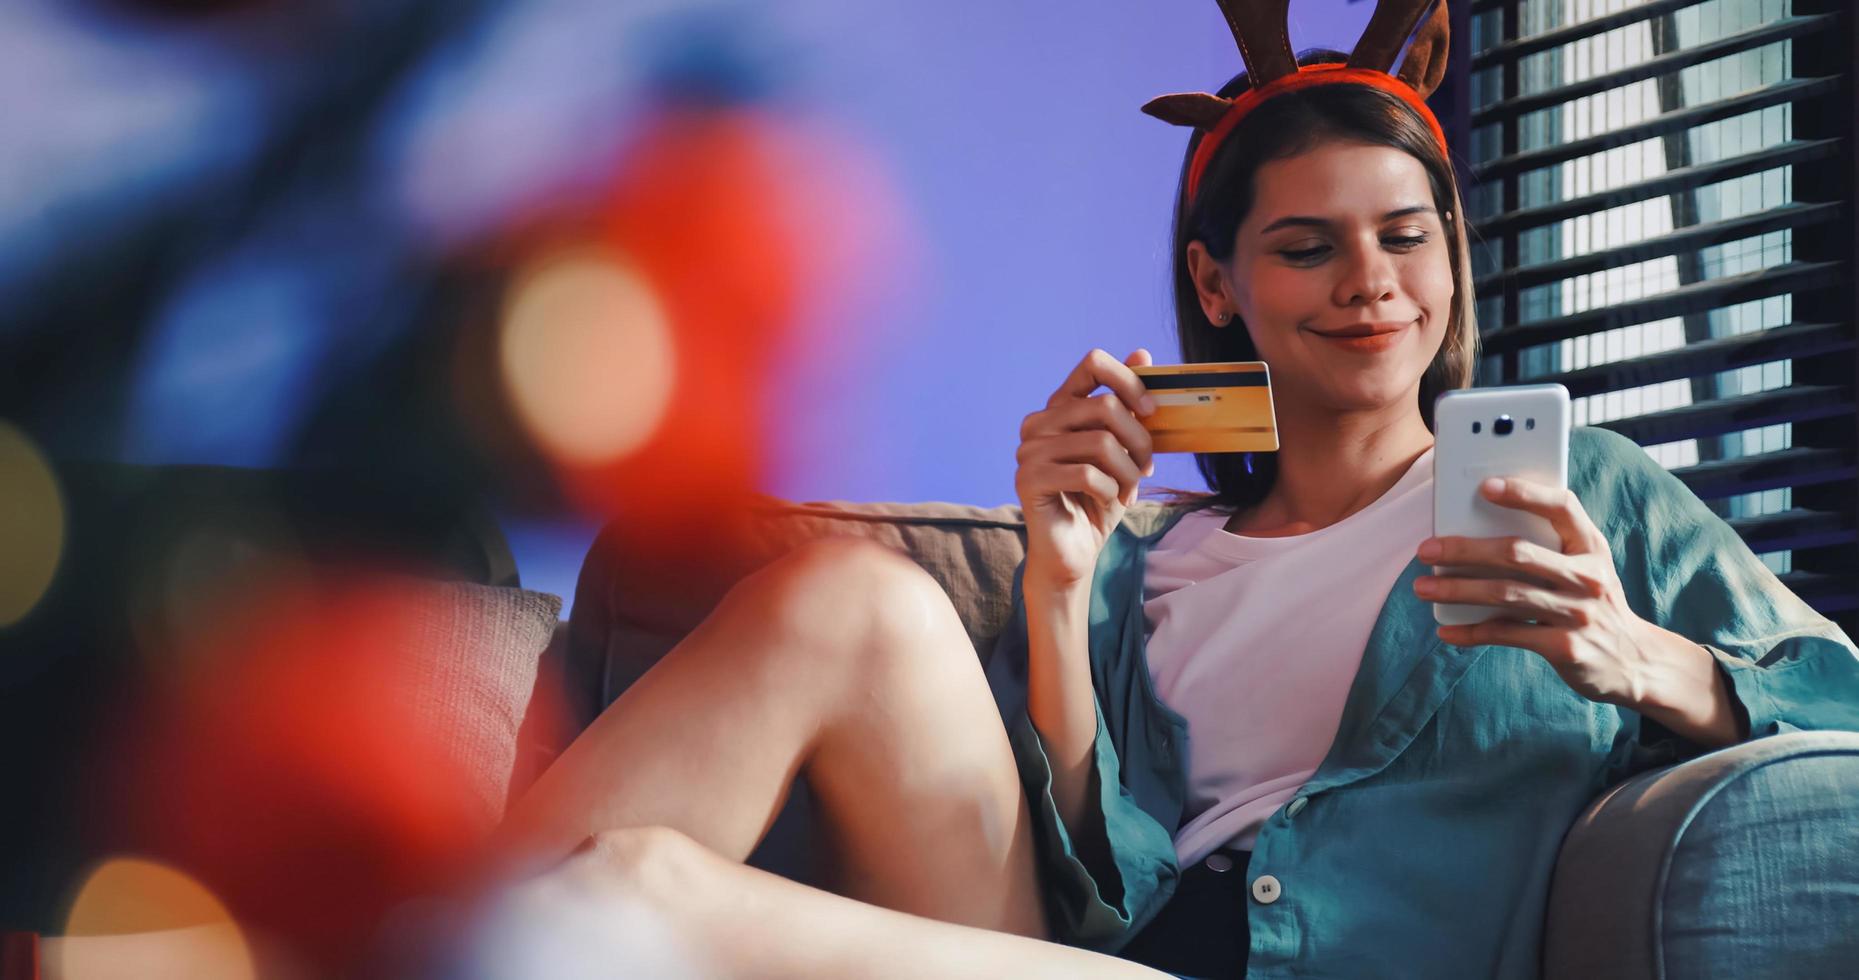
<point x="1212" y="407"/>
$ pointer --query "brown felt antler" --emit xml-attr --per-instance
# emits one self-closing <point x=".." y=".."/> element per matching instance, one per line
<point x="1259" y="27"/>
<point x="1425" y="65"/>
<point x="1264" y="38"/>
<point x="1387" y="32"/>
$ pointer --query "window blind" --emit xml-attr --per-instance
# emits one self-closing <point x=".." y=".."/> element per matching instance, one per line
<point x="1661" y="193"/>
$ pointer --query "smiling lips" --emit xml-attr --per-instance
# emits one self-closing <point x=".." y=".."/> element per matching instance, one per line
<point x="1364" y="338"/>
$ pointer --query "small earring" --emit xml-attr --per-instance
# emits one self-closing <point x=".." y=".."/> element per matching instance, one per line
<point x="1222" y="318"/>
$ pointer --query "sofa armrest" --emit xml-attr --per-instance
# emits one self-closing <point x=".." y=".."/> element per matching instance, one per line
<point x="1743" y="862"/>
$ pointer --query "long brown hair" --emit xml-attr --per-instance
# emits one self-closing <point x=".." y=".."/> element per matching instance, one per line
<point x="1285" y="126"/>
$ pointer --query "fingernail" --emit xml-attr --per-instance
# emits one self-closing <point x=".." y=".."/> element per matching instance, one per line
<point x="1146" y="405"/>
<point x="1429" y="550"/>
<point x="1149" y="470"/>
<point x="1494" y="485"/>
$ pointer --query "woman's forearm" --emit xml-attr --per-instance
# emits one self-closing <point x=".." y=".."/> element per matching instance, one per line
<point x="1060" y="699"/>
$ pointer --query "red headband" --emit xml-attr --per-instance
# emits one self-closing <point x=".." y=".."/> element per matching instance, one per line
<point x="1305" y="77"/>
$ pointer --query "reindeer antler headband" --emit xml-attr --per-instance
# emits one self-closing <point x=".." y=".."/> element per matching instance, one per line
<point x="1265" y="45"/>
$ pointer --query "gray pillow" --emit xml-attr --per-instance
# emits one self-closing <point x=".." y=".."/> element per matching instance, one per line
<point x="470" y="666"/>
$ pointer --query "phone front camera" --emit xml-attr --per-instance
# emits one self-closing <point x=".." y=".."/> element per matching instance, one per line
<point x="1502" y="426"/>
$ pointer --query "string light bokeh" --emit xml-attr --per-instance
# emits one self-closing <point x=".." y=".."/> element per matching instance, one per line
<point x="32" y="525"/>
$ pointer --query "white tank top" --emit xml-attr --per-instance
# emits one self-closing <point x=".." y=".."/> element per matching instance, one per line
<point x="1256" y="641"/>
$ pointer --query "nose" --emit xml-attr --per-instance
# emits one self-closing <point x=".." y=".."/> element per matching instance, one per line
<point x="1367" y="279"/>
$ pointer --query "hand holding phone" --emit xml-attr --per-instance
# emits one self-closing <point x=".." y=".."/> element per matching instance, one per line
<point x="1518" y="431"/>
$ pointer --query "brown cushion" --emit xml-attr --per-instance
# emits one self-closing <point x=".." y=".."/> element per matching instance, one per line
<point x="629" y="612"/>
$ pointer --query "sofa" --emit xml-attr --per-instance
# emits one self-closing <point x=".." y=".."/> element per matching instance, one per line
<point x="1723" y="866"/>
<point x="1739" y="863"/>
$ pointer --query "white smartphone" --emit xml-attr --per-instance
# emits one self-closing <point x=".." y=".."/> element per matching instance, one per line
<point x="1517" y="431"/>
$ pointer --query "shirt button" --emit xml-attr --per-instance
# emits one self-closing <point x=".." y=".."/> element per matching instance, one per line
<point x="1265" y="889"/>
<point x="1219" y="863"/>
<point x="1297" y="806"/>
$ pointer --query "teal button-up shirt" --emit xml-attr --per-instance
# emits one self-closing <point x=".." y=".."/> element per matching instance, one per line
<point x="1424" y="843"/>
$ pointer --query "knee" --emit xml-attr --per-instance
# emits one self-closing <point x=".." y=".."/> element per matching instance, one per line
<point x="639" y="896"/>
<point x="860" y="591"/>
<point x="646" y="862"/>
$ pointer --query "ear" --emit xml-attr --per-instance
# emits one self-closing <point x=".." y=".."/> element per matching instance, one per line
<point x="1210" y="284"/>
<point x="1425" y="65"/>
<point x="1387" y="33"/>
<point x="1197" y="109"/>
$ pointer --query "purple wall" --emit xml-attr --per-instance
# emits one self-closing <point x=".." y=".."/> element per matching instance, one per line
<point x="1039" y="197"/>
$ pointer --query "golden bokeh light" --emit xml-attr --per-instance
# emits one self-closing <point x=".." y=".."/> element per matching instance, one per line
<point x="587" y="355"/>
<point x="32" y="525"/>
<point x="141" y="918"/>
<point x="132" y="894"/>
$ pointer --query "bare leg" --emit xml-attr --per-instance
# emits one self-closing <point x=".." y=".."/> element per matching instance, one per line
<point x="667" y="907"/>
<point x="207" y="952"/>
<point x="843" y="660"/>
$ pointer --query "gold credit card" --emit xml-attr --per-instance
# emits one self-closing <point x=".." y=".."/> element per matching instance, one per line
<point x="1216" y="407"/>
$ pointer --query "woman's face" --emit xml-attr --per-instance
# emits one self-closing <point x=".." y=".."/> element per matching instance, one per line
<point x="1343" y="239"/>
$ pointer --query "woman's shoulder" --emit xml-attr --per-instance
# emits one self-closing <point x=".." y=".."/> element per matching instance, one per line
<point x="1596" y="444"/>
<point x="1624" y="489"/>
<point x="1602" y="460"/>
<point x="1151" y="519"/>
